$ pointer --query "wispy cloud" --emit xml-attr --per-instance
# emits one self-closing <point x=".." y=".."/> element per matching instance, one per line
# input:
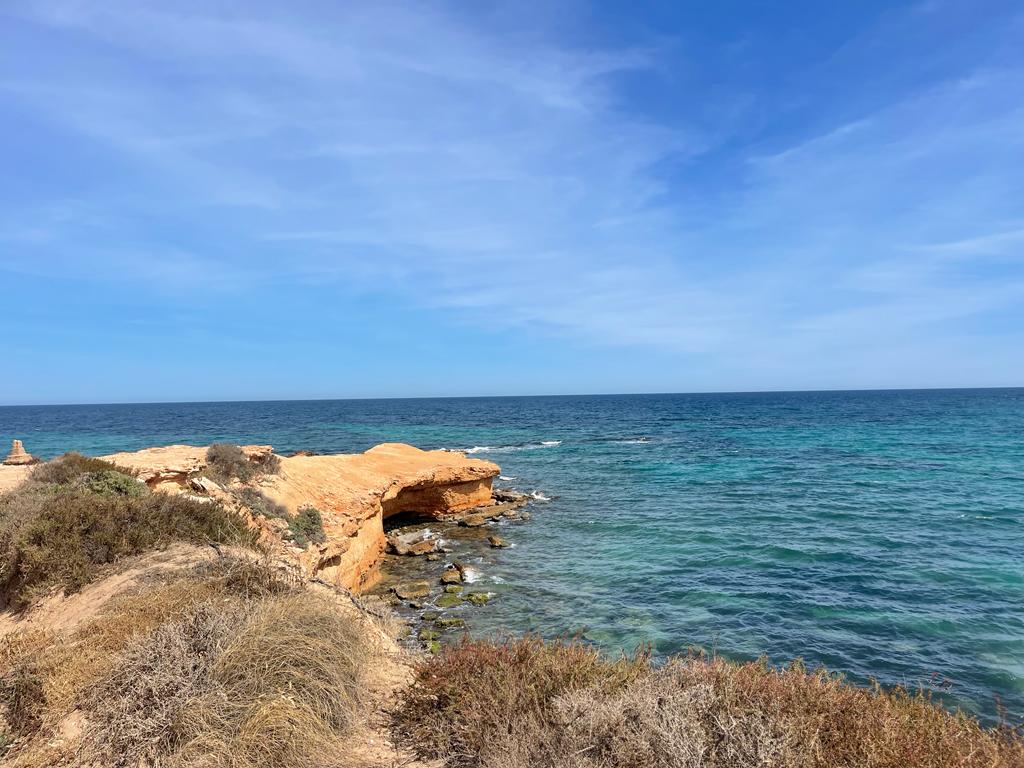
<point x="501" y="174"/>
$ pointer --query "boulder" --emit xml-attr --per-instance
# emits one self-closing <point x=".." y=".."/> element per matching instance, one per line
<point x="508" y="496"/>
<point x="204" y="485"/>
<point x="451" y="576"/>
<point x="18" y="455"/>
<point x="412" y="543"/>
<point x="496" y="541"/>
<point x="412" y="590"/>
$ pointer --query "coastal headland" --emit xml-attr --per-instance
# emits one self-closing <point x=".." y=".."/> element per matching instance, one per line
<point x="207" y="606"/>
<point x="353" y="493"/>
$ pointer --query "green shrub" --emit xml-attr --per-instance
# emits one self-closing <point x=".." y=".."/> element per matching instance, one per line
<point x="226" y="461"/>
<point x="112" y="482"/>
<point x="307" y="526"/>
<point x="68" y="468"/>
<point x="59" y="536"/>
<point x="260" y="505"/>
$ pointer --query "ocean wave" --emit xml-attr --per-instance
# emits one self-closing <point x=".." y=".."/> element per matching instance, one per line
<point x="510" y="448"/>
<point x="507" y="478"/>
<point x="538" y="496"/>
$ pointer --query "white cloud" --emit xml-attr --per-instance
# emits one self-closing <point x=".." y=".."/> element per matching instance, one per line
<point x="499" y="176"/>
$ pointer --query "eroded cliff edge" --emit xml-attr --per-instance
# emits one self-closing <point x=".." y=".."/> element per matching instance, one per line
<point x="354" y="494"/>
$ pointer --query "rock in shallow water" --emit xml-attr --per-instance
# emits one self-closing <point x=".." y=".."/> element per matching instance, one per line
<point x="496" y="541"/>
<point x="451" y="576"/>
<point x="449" y="600"/>
<point x="412" y="590"/>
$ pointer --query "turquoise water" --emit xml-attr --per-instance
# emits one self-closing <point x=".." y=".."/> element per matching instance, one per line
<point x="878" y="533"/>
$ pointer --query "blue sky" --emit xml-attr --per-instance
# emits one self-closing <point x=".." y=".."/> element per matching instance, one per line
<point x="244" y="200"/>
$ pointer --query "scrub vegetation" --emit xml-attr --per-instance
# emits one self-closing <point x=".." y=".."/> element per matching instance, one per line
<point x="76" y="515"/>
<point x="525" y="704"/>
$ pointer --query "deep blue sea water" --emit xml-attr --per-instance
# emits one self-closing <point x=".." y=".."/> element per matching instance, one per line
<point x="878" y="533"/>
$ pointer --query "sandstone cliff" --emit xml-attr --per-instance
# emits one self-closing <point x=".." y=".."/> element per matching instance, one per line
<point x="354" y="494"/>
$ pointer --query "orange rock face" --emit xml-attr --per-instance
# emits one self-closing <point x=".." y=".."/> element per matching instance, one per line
<point x="168" y="467"/>
<point x="354" y="493"/>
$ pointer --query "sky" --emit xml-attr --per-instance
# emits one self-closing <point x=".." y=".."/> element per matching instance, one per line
<point x="228" y="200"/>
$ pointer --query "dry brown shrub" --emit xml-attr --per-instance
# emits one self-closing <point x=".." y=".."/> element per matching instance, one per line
<point x="525" y="704"/>
<point x="135" y="710"/>
<point x="287" y="690"/>
<point x="238" y="666"/>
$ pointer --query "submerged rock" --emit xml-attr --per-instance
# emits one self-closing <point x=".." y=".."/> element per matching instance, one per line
<point x="450" y="622"/>
<point x="449" y="600"/>
<point x="477" y="598"/>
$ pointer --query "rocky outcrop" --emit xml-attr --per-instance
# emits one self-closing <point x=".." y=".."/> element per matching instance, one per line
<point x="18" y="456"/>
<point x="354" y="494"/>
<point x="170" y="467"/>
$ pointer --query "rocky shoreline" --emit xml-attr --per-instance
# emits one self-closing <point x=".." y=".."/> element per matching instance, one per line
<point x="398" y="525"/>
<point x="429" y="569"/>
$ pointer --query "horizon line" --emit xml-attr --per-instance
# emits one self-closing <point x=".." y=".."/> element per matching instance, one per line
<point x="510" y="397"/>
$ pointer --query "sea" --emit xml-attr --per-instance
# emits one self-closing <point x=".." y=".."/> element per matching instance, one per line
<point x="877" y="533"/>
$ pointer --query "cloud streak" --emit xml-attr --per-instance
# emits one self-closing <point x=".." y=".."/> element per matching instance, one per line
<point x="501" y="175"/>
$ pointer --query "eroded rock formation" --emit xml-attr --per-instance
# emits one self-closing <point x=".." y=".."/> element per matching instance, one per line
<point x="18" y="456"/>
<point x="354" y="494"/>
<point x="170" y="467"/>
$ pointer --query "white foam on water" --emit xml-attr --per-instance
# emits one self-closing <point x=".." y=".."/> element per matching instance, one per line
<point x="507" y="478"/>
<point x="551" y="442"/>
<point x="539" y="496"/>
<point x="470" y="575"/>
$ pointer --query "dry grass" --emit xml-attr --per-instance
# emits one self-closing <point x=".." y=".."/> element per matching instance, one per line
<point x="233" y="664"/>
<point x="58" y="534"/>
<point x="525" y="703"/>
<point x="285" y="692"/>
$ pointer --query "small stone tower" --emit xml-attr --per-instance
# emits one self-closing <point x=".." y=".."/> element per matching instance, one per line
<point x="18" y="454"/>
